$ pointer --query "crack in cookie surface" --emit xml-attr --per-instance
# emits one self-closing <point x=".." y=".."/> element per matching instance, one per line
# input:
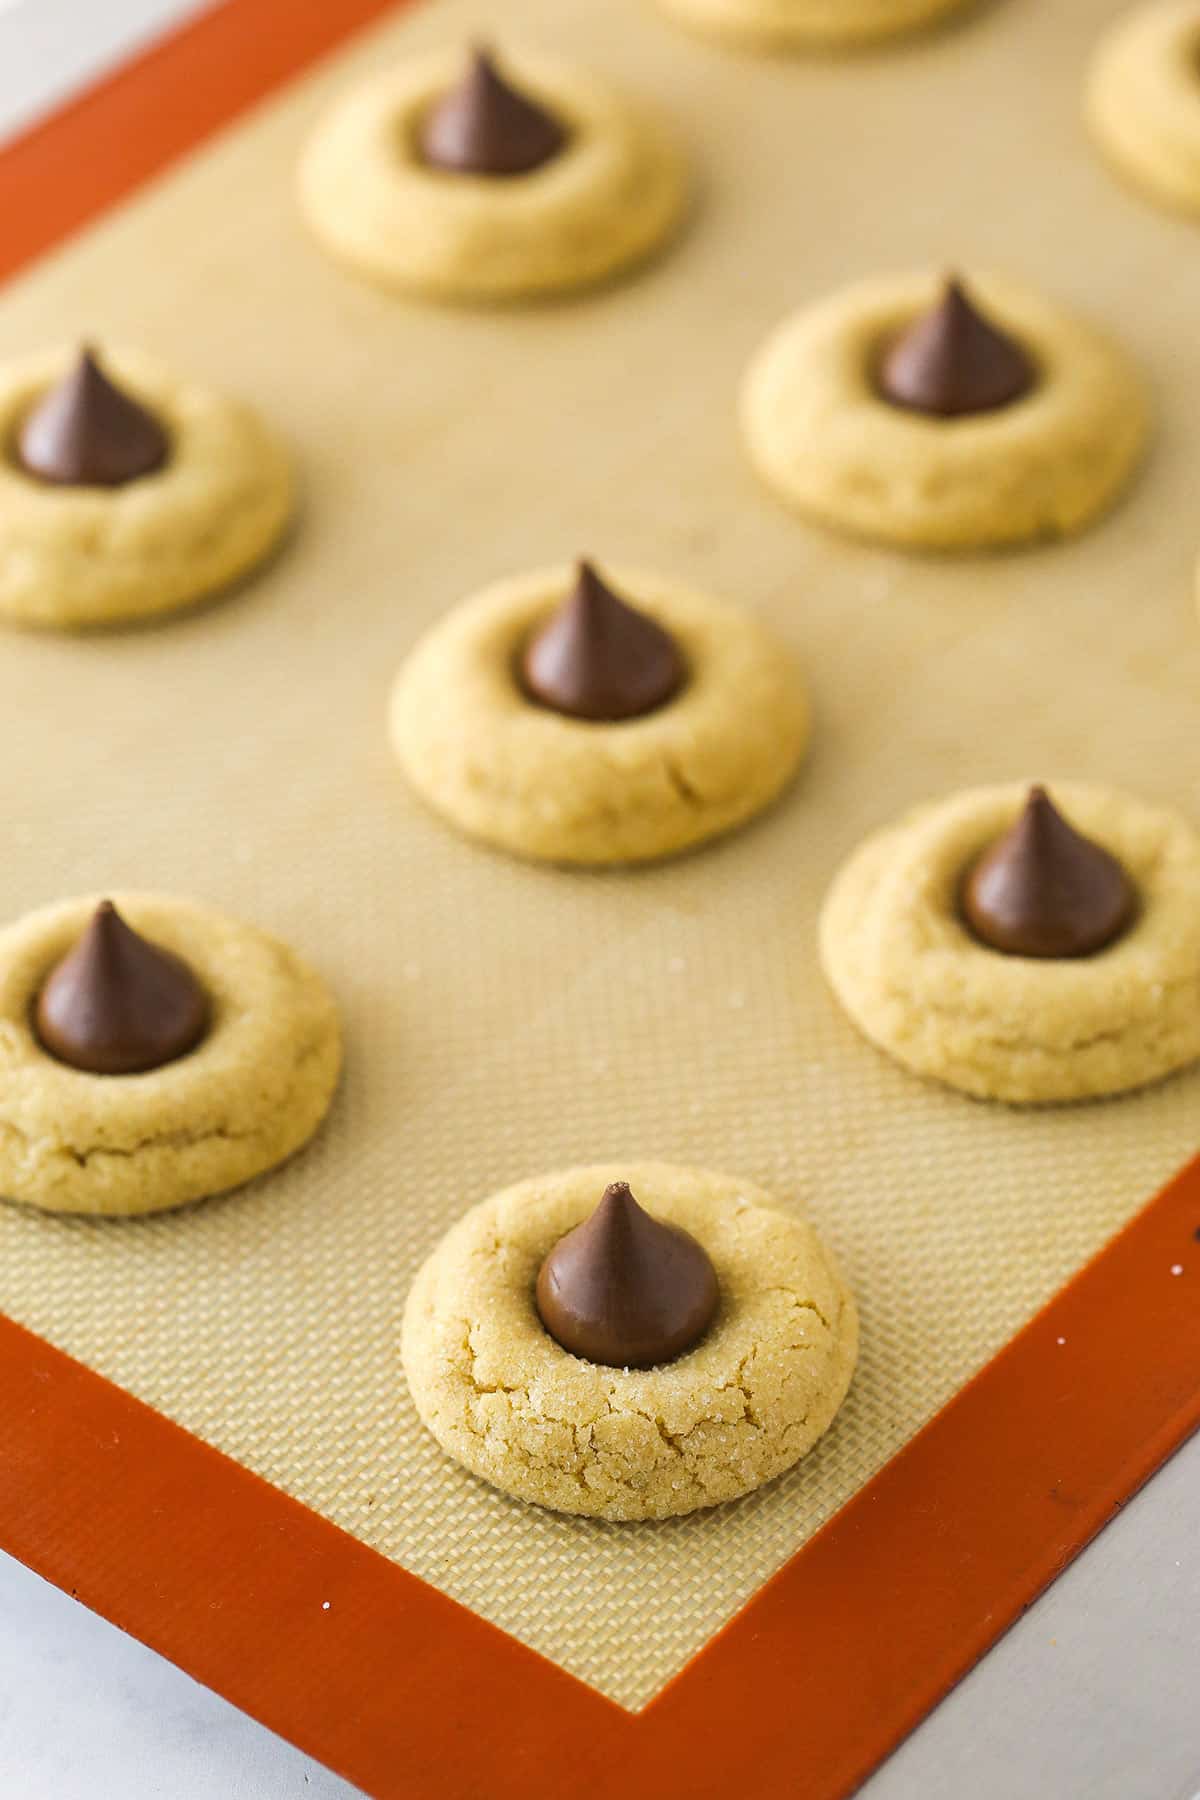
<point x="248" y="1096"/>
<point x="1011" y="1028"/>
<point x="516" y="1408"/>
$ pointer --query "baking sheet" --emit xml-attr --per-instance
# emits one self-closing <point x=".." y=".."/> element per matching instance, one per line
<point x="502" y="1019"/>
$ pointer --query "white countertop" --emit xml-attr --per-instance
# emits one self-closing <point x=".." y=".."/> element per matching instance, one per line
<point x="1094" y="1695"/>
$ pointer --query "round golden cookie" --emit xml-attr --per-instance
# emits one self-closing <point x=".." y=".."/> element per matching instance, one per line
<point x="1142" y="100"/>
<point x="809" y="24"/>
<point x="510" y="1404"/>
<point x="610" y="198"/>
<point x="539" y="784"/>
<point x="824" y="438"/>
<point x="255" y="1088"/>
<point x="1015" y="1028"/>
<point x="72" y="557"/>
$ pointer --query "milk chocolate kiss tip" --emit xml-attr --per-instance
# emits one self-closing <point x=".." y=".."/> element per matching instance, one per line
<point x="485" y="126"/>
<point x="117" y="1004"/>
<point x="624" y="1289"/>
<point x="87" y="432"/>
<point x="952" y="360"/>
<point x="599" y="658"/>
<point x="1045" y="890"/>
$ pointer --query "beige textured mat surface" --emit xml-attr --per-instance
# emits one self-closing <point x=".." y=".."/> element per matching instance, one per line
<point x="503" y="1019"/>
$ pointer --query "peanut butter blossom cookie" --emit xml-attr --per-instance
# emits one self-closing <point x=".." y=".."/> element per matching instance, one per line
<point x="127" y="492"/>
<point x="594" y="719"/>
<point x="942" y="416"/>
<point x="796" y="24"/>
<point x="153" y="1053"/>
<point x="1024" y="945"/>
<point x="629" y="1357"/>
<point x="1143" y="101"/>
<point x="459" y="177"/>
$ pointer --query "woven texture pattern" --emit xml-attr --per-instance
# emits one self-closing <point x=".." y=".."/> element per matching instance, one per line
<point x="502" y="1019"/>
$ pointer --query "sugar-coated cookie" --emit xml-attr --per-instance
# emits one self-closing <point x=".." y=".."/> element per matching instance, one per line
<point x="809" y="24"/>
<point x="917" y="981"/>
<point x="90" y="545"/>
<point x="609" y="195"/>
<point x="753" y="1395"/>
<point x="830" y="443"/>
<point x="1142" y="100"/>
<point x="511" y="770"/>
<point x="252" y="1090"/>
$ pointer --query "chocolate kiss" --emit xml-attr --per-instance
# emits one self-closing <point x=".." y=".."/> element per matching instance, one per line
<point x="1045" y="890"/>
<point x="599" y="658"/>
<point x="117" y="1004"/>
<point x="87" y="433"/>
<point x="624" y="1289"/>
<point x="952" y="361"/>
<point x="485" y="127"/>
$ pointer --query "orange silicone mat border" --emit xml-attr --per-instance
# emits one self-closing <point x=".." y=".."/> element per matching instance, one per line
<point x="401" y="1689"/>
<point x="411" y="1695"/>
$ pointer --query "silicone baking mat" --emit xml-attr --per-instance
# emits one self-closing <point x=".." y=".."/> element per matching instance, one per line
<point x="503" y="1018"/>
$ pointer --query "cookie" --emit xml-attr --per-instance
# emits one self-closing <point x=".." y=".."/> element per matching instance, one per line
<point x="1142" y="101"/>
<point x="809" y="24"/>
<point x="73" y="556"/>
<point x="753" y="1396"/>
<point x="253" y="1090"/>
<point x="823" y="436"/>
<point x="613" y="194"/>
<point x="530" y="780"/>
<point x="917" y="983"/>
